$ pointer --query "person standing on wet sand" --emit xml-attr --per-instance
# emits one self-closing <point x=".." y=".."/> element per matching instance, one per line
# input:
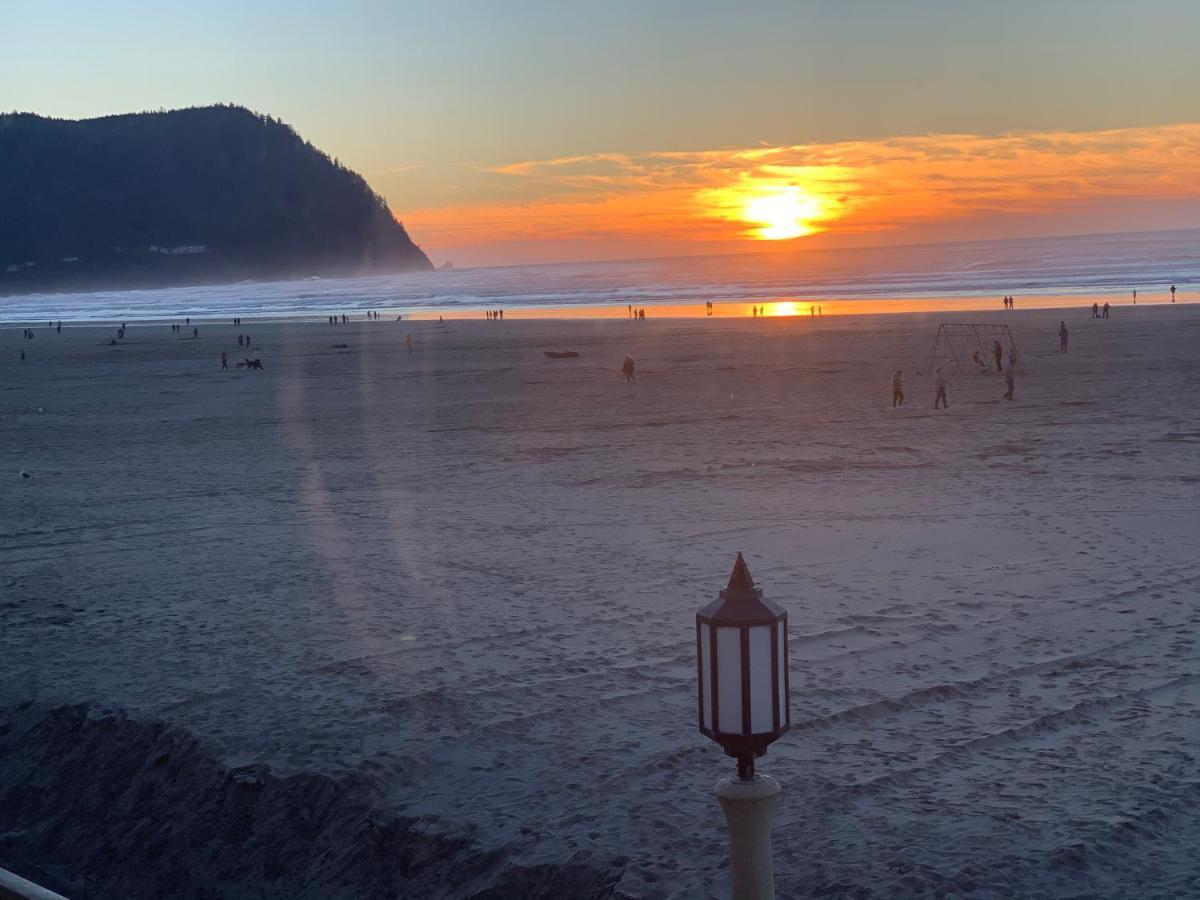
<point x="627" y="369"/>
<point x="940" y="383"/>
<point x="408" y="342"/>
<point x="1172" y="293"/>
<point x="897" y="389"/>
<point x="1062" y="336"/>
<point x="224" y="360"/>
<point x="998" y="352"/>
<point x="1010" y="381"/>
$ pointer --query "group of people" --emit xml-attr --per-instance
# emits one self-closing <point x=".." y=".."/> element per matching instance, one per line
<point x="1008" y="302"/>
<point x="495" y="313"/>
<point x="998" y="355"/>
<point x="940" y="385"/>
<point x="244" y="339"/>
<point x="640" y="313"/>
<point x="760" y="311"/>
<point x="247" y="362"/>
<point x="1100" y="312"/>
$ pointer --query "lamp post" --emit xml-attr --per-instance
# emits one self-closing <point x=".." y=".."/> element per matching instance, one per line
<point x="741" y="663"/>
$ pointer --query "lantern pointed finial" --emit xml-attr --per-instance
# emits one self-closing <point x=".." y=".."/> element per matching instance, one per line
<point x="740" y="581"/>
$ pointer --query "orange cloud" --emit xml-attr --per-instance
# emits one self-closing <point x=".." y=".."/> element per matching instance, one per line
<point x="698" y="200"/>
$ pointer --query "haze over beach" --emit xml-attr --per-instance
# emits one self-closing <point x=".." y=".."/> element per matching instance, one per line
<point x="387" y="392"/>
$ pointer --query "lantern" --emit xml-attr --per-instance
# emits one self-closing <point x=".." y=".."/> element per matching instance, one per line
<point x="742" y="663"/>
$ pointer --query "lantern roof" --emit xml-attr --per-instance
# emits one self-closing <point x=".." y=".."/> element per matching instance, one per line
<point x="742" y="601"/>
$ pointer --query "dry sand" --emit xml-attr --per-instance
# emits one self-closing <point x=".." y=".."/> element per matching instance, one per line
<point x="471" y="572"/>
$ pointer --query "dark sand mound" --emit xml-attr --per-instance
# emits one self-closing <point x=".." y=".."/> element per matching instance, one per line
<point x="102" y="806"/>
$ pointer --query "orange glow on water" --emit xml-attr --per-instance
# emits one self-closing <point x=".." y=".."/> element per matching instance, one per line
<point x="804" y="311"/>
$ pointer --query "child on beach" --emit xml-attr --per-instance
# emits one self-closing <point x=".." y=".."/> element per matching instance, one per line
<point x="940" y="383"/>
<point x="897" y="390"/>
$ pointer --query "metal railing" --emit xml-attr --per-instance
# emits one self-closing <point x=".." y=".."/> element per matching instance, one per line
<point x="14" y="887"/>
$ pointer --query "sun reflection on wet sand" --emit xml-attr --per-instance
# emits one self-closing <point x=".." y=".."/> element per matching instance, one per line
<point x="815" y="307"/>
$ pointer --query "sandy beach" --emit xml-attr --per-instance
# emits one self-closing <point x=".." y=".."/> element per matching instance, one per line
<point x="469" y="575"/>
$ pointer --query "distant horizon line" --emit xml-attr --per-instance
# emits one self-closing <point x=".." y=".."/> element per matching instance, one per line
<point x="781" y="253"/>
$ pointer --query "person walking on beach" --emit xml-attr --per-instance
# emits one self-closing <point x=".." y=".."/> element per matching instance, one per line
<point x="1010" y="381"/>
<point x="1062" y="336"/>
<point x="939" y="382"/>
<point x="1095" y="310"/>
<point x="627" y="369"/>
<point x="408" y="341"/>
<point x="224" y="360"/>
<point x="897" y="389"/>
<point x="998" y="352"/>
<point x="1135" y="298"/>
<point x="1172" y="293"/>
<point x="1105" y="310"/>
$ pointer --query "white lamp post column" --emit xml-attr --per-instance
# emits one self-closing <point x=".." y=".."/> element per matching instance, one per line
<point x="741" y="663"/>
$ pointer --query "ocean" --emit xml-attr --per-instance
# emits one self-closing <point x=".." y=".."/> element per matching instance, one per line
<point x="1101" y="266"/>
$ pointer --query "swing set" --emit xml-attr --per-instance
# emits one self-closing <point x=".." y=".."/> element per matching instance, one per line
<point x="969" y="347"/>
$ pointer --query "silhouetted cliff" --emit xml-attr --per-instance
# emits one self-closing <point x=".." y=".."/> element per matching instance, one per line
<point x="206" y="194"/>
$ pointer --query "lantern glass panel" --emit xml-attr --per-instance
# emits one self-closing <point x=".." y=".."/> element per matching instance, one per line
<point x="781" y="638"/>
<point x="729" y="680"/>
<point x="705" y="678"/>
<point x="761" y="695"/>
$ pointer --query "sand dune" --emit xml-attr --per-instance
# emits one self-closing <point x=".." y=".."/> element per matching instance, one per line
<point x="470" y="573"/>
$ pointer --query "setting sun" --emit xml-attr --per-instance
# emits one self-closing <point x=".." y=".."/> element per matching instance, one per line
<point x="774" y="208"/>
<point x="782" y="213"/>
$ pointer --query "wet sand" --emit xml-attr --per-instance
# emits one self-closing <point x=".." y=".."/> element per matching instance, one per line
<point x="471" y="572"/>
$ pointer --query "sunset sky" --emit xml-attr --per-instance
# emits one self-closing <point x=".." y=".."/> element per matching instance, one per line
<point x="529" y="131"/>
